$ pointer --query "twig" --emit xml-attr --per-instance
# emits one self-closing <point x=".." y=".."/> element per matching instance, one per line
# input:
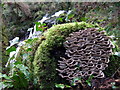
<point x="115" y="72"/>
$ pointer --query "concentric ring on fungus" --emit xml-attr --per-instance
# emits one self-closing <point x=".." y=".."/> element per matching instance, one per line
<point x="87" y="54"/>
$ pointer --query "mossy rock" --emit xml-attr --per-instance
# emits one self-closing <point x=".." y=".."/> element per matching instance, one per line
<point x="51" y="49"/>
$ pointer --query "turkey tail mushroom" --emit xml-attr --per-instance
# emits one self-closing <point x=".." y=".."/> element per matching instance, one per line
<point x="88" y="51"/>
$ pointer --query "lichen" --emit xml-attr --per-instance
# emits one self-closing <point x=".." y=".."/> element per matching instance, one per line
<point x="49" y="51"/>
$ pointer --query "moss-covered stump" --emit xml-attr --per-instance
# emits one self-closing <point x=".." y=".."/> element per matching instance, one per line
<point x="50" y="51"/>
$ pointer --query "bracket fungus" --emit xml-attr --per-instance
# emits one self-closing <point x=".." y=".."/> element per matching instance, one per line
<point x="87" y="53"/>
<point x="84" y="51"/>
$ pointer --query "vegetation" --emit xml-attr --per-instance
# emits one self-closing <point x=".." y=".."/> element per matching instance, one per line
<point x="30" y="59"/>
<point x="50" y="51"/>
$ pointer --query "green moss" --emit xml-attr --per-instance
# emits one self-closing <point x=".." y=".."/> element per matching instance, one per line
<point x="45" y="61"/>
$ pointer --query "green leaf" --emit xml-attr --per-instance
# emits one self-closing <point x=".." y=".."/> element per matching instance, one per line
<point x="17" y="62"/>
<point x="67" y="86"/>
<point x="40" y="29"/>
<point x="60" y="19"/>
<point x="77" y="79"/>
<point x="62" y="86"/>
<point x="40" y="26"/>
<point x="37" y="23"/>
<point x="28" y="40"/>
<point x="114" y="87"/>
<point x="35" y="81"/>
<point x="19" y="80"/>
<point x="44" y="24"/>
<point x="70" y="16"/>
<point x="23" y="69"/>
<point x="5" y="84"/>
<point x="117" y="54"/>
<point x="2" y="85"/>
<point x="2" y="4"/>
<point x="4" y="76"/>
<point x="12" y="48"/>
<point x="74" y="80"/>
<point x="73" y="83"/>
<point x="83" y="19"/>
<point x="29" y="49"/>
<point x="88" y="82"/>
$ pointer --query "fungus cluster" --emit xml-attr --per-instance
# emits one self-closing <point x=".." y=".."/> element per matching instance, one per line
<point x="87" y="53"/>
